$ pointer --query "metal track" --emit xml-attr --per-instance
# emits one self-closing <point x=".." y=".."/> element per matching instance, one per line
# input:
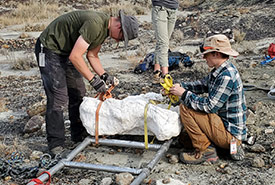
<point x="142" y="173"/>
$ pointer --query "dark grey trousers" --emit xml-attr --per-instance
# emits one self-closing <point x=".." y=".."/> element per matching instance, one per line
<point x="64" y="86"/>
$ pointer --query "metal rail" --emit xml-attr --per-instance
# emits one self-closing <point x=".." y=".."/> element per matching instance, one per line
<point x="142" y="173"/>
<point x="146" y="171"/>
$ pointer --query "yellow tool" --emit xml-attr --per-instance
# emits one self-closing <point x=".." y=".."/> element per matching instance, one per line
<point x="167" y="83"/>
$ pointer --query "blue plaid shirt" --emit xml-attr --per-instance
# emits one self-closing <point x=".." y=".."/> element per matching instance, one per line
<point x="225" y="98"/>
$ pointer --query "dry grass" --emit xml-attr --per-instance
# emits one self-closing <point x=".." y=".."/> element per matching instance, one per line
<point x="3" y="103"/>
<point x="26" y="62"/>
<point x="190" y="3"/>
<point x="243" y="10"/>
<point x="9" y="150"/>
<point x="244" y="47"/>
<point x="177" y="35"/>
<point x="29" y="13"/>
<point x="141" y="3"/>
<point x="35" y="27"/>
<point x="142" y="50"/>
<point x="6" y="150"/>
<point x="238" y="35"/>
<point x="128" y="8"/>
<point x="147" y="25"/>
<point x="33" y="13"/>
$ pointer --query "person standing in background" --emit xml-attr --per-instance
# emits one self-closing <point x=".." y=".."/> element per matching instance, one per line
<point x="163" y="19"/>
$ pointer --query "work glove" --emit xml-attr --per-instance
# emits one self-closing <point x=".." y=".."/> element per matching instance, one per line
<point x="109" y="80"/>
<point x="98" y="84"/>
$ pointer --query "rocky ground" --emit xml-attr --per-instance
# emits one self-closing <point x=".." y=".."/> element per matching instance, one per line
<point x="22" y="99"/>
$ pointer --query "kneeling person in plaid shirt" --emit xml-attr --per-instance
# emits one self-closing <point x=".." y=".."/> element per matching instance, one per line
<point x="219" y="118"/>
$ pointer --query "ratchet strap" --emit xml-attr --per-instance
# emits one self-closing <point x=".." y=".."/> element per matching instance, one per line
<point x="145" y="124"/>
<point x="167" y="83"/>
<point x="102" y="97"/>
<point x="96" y="121"/>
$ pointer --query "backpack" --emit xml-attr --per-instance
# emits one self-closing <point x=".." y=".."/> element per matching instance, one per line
<point x="146" y="64"/>
<point x="271" y="50"/>
<point x="174" y="58"/>
<point x="271" y="54"/>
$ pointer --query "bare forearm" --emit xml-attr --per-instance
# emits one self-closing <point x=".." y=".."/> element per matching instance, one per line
<point x="96" y="65"/>
<point x="93" y="58"/>
<point x="82" y="67"/>
<point x="76" y="57"/>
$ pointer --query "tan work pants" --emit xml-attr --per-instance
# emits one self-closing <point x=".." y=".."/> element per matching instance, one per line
<point x="163" y="20"/>
<point x="204" y="128"/>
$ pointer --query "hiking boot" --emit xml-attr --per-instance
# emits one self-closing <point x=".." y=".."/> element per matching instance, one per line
<point x="80" y="137"/>
<point x="239" y="155"/>
<point x="156" y="77"/>
<point x="72" y="145"/>
<point x="197" y="157"/>
<point x="56" y="151"/>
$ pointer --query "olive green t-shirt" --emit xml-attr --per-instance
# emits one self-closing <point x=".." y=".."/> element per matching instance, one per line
<point x="61" y="34"/>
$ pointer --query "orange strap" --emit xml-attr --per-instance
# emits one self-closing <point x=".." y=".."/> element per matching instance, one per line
<point x="96" y="122"/>
<point x="102" y="97"/>
<point x="38" y="181"/>
<point x="107" y="94"/>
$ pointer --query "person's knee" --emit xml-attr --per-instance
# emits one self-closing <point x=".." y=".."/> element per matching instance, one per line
<point x="189" y="116"/>
<point x="59" y="106"/>
<point x="185" y="115"/>
<point x="60" y="102"/>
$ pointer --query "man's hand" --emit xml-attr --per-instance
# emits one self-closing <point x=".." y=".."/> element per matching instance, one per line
<point x="98" y="84"/>
<point x="177" y="90"/>
<point x="109" y="80"/>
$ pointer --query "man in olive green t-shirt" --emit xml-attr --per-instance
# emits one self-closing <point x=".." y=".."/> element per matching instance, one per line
<point x="59" y="51"/>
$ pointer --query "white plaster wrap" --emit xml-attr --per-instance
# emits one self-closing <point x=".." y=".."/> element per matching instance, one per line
<point x="127" y="116"/>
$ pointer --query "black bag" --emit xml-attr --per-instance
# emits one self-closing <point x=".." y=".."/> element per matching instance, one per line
<point x="174" y="58"/>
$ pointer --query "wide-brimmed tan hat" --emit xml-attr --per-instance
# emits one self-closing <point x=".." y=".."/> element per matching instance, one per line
<point x="129" y="26"/>
<point x="219" y="43"/>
